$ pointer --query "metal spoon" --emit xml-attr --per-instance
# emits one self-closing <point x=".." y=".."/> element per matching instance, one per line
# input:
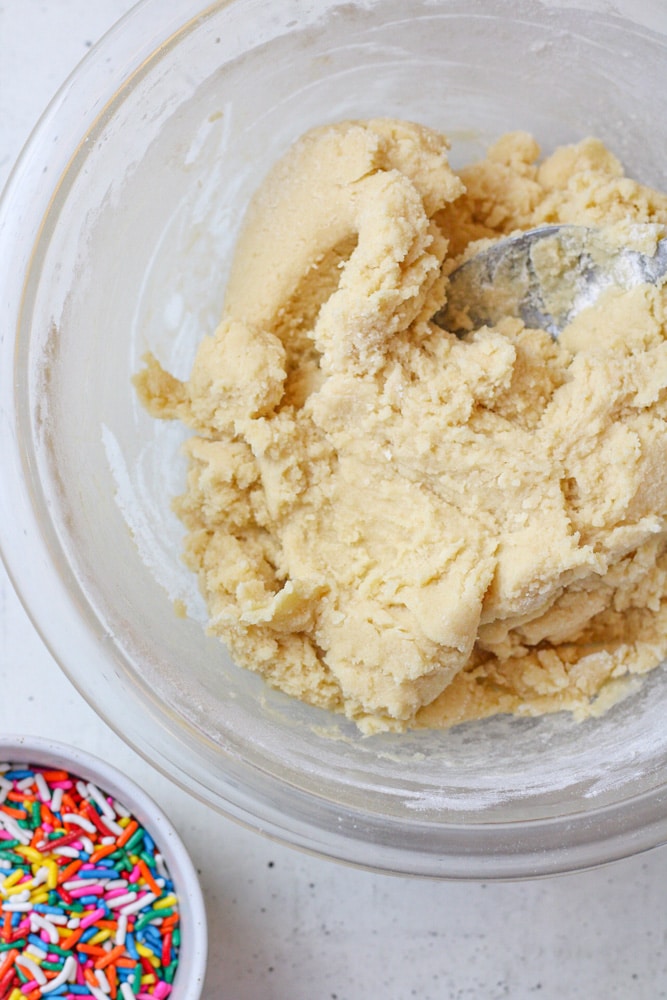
<point x="544" y="276"/>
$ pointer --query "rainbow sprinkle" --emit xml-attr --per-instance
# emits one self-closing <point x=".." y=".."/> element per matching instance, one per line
<point x="87" y="907"/>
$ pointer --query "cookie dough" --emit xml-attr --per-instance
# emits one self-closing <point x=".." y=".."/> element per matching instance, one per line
<point x="409" y="527"/>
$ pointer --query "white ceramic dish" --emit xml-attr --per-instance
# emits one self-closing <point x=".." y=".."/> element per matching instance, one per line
<point x="116" y="231"/>
<point x="191" y="968"/>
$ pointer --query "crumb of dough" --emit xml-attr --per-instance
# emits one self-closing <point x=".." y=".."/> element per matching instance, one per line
<point x="403" y="526"/>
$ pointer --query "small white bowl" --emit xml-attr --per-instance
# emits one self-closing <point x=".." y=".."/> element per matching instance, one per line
<point x="189" y="978"/>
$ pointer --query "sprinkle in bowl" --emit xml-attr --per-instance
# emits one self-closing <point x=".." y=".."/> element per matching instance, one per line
<point x="98" y="896"/>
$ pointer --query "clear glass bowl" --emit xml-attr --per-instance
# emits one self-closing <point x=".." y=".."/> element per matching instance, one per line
<point x="116" y="231"/>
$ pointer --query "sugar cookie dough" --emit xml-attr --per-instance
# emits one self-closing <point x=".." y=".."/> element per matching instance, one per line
<point x="408" y="527"/>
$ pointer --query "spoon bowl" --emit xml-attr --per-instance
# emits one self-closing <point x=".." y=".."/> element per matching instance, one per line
<point x="545" y="277"/>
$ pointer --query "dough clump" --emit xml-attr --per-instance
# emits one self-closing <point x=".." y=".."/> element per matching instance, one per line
<point x="412" y="528"/>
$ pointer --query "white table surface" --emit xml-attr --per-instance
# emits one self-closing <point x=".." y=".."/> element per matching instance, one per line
<point x="282" y="925"/>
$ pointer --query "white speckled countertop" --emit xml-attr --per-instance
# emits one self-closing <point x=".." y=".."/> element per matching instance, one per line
<point x="284" y="926"/>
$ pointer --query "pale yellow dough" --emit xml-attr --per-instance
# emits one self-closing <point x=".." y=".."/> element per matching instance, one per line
<point x="397" y="524"/>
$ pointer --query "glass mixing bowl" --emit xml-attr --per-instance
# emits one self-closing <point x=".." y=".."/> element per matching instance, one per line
<point x="116" y="232"/>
